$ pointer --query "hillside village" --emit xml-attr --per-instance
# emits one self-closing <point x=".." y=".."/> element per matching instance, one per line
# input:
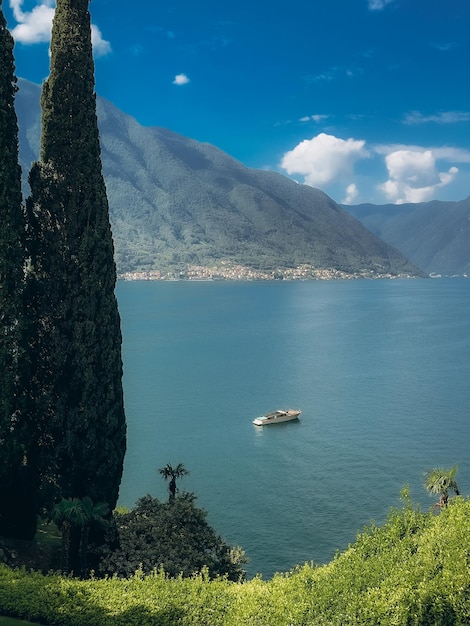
<point x="229" y="271"/>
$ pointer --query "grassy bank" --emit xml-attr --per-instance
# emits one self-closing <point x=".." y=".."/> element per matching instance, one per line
<point x="412" y="570"/>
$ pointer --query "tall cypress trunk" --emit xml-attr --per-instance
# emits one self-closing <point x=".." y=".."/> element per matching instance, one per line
<point x="72" y="278"/>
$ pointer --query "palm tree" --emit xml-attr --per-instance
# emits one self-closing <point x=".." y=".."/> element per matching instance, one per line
<point x="73" y="517"/>
<point x="172" y="473"/>
<point x="439" y="481"/>
<point x="67" y="515"/>
<point x="93" y="513"/>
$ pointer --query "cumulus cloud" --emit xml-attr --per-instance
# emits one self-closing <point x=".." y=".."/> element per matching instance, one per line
<point x="35" y="26"/>
<point x="414" y="175"/>
<point x="101" y="47"/>
<point x="181" y="79"/>
<point x="324" y="158"/>
<point x="351" y="194"/>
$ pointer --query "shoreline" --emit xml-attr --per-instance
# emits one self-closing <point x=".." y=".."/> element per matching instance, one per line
<point x="228" y="272"/>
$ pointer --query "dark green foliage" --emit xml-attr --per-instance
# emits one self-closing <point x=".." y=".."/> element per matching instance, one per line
<point x="174" y="536"/>
<point x="74" y="517"/>
<point x="17" y="502"/>
<point x="12" y="222"/>
<point x="74" y="380"/>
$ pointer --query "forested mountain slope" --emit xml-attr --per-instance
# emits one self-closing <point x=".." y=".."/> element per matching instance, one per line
<point x="177" y="202"/>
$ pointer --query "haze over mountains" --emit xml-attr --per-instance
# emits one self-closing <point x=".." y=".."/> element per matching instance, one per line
<point x="434" y="235"/>
<point x="176" y="202"/>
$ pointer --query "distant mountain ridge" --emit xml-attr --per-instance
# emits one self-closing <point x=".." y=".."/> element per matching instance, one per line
<point x="176" y="202"/>
<point x="435" y="235"/>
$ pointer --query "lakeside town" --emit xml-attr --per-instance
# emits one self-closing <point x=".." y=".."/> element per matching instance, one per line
<point x="229" y="271"/>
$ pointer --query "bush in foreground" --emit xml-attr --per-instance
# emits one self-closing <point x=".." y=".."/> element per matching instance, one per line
<point x="174" y="536"/>
<point x="414" y="570"/>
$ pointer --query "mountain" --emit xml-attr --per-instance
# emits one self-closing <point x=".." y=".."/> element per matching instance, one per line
<point x="434" y="235"/>
<point x="176" y="202"/>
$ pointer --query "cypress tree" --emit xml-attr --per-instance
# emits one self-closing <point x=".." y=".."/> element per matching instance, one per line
<point x="17" y="482"/>
<point x="75" y="378"/>
<point x="11" y="222"/>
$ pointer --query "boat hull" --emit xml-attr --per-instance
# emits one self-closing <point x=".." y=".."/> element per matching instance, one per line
<point x="277" y="417"/>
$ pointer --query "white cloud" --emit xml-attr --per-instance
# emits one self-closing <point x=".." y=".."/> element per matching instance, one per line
<point x="315" y="118"/>
<point x="181" y="79"/>
<point x="324" y="158"/>
<point x="35" y="26"/>
<point x="453" y="155"/>
<point x="414" y="176"/>
<point x="101" y="47"/>
<point x="378" y="5"/>
<point x="415" y="173"/>
<point x="351" y="194"/>
<point x="443" y="117"/>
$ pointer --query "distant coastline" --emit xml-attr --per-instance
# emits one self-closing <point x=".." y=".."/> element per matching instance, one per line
<point x="228" y="271"/>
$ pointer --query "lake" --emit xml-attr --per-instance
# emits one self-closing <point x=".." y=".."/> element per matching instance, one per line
<point x="380" y="370"/>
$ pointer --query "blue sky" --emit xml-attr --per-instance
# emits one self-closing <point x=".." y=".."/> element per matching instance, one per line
<point x="367" y="100"/>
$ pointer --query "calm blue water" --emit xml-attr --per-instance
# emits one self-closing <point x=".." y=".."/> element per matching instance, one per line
<point x="380" y="369"/>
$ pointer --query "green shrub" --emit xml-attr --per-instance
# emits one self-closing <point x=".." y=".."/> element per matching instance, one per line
<point x="414" y="570"/>
<point x="174" y="536"/>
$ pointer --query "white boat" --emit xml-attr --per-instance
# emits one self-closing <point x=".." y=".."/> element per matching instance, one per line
<point x="277" y="416"/>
